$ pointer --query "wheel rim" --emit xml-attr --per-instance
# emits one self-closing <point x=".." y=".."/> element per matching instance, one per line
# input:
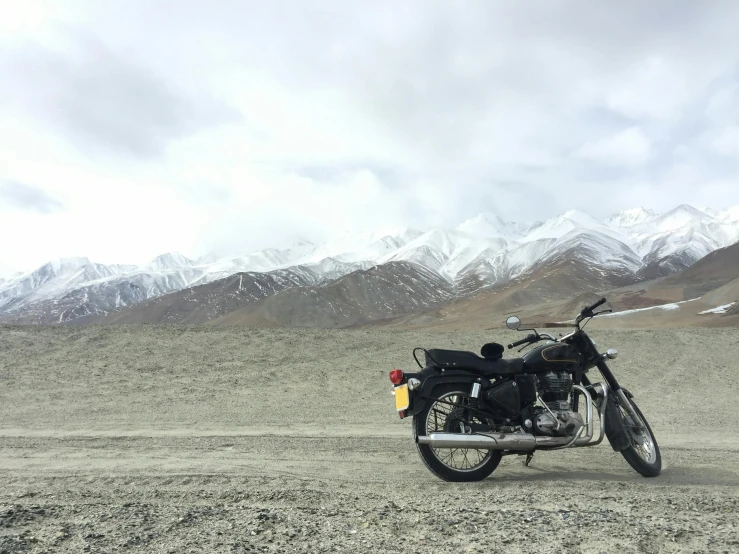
<point x="641" y="438"/>
<point x="446" y="416"/>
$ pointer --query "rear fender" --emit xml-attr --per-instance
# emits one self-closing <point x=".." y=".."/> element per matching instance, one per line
<point x="435" y="378"/>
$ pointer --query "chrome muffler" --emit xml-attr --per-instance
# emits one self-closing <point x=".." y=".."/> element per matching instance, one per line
<point x="494" y="441"/>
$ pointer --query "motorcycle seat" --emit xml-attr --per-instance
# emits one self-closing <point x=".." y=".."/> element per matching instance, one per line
<point x="460" y="359"/>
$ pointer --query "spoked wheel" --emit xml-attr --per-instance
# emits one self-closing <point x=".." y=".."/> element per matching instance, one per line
<point x="450" y="414"/>
<point x="643" y="453"/>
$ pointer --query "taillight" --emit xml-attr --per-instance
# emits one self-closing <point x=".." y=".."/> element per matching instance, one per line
<point x="396" y="376"/>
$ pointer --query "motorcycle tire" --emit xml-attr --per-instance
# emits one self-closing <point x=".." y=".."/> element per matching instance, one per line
<point x="646" y="460"/>
<point x="432" y="457"/>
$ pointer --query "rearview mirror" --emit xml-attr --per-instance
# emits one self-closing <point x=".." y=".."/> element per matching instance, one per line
<point x="513" y="322"/>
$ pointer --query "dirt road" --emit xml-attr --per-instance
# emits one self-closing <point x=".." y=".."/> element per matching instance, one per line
<point x="169" y="439"/>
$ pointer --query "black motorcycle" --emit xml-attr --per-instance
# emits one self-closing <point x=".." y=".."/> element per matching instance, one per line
<point x="469" y="411"/>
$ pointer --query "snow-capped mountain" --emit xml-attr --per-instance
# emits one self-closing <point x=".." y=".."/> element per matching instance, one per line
<point x="54" y="279"/>
<point x="330" y="269"/>
<point x="170" y="261"/>
<point x="355" y="247"/>
<point x="479" y="253"/>
<point x="446" y="252"/>
<point x="572" y="220"/>
<point x="377" y="293"/>
<point x="596" y="248"/>
<point x="632" y="216"/>
<point x="211" y="300"/>
<point x="489" y="225"/>
<point x="68" y="288"/>
<point x="730" y="214"/>
<point x="685" y="233"/>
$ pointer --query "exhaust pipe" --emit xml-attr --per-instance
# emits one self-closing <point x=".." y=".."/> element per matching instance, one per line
<point x="497" y="441"/>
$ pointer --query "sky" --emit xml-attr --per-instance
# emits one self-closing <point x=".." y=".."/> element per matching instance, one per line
<point x="134" y="128"/>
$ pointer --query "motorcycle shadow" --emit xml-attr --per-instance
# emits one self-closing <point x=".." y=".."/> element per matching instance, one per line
<point x="531" y="473"/>
<point x="677" y="475"/>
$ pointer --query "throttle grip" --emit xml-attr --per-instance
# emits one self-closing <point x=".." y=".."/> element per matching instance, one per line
<point x="598" y="303"/>
<point x="588" y="310"/>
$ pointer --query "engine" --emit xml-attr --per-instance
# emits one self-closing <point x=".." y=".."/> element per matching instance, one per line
<point x="555" y="389"/>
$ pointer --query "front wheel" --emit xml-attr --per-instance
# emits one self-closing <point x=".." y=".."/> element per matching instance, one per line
<point x="643" y="453"/>
<point x="449" y="414"/>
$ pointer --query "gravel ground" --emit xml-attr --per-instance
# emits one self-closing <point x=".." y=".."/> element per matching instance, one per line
<point x="197" y="439"/>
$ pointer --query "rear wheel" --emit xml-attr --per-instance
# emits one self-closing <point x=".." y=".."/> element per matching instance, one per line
<point x="643" y="453"/>
<point x="449" y="414"/>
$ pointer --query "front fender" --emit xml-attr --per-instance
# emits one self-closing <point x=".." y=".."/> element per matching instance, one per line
<point x="614" y="426"/>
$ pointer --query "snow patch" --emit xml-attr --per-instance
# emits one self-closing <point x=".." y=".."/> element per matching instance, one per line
<point x="718" y="309"/>
<point x="670" y="306"/>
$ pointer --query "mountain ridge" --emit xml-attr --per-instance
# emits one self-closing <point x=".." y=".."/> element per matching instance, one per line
<point x="637" y="242"/>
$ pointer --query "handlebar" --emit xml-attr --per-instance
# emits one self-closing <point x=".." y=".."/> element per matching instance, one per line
<point x="587" y="311"/>
<point x="529" y="338"/>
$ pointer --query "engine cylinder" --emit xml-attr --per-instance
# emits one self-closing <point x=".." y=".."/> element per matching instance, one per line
<point x="555" y="388"/>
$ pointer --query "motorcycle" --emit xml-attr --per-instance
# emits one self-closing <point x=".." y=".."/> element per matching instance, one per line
<point x="469" y="411"/>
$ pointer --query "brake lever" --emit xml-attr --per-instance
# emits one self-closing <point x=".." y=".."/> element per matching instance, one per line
<point x="602" y="312"/>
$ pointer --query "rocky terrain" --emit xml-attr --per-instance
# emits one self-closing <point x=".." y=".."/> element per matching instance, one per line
<point x="167" y="438"/>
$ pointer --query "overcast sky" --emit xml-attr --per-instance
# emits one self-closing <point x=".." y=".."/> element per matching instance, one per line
<point x="132" y="128"/>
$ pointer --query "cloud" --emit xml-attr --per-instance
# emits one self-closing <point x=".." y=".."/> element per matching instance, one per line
<point x="242" y="124"/>
<point x="26" y="197"/>
<point x="721" y="107"/>
<point x="105" y="102"/>
<point x="206" y="193"/>
<point x="726" y="141"/>
<point x="629" y="147"/>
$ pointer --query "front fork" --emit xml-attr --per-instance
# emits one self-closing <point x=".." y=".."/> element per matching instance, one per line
<point x="619" y="392"/>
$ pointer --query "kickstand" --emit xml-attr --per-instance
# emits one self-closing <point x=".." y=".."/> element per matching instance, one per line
<point x="529" y="457"/>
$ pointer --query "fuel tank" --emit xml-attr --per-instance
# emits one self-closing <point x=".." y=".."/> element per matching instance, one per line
<point x="552" y="356"/>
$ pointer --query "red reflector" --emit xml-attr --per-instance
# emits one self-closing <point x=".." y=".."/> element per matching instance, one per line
<point x="396" y="376"/>
<point x="401" y="414"/>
